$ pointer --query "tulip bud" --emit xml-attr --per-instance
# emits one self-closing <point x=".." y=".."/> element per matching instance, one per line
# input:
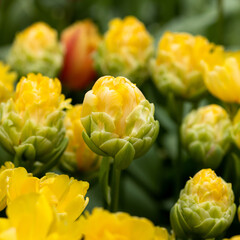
<point x="177" y="67"/>
<point x="77" y="155"/>
<point x="221" y="75"/>
<point x="37" y="50"/>
<point x="205" y="208"/>
<point x="118" y="120"/>
<point x="102" y="224"/>
<point x="125" y="50"/>
<point x="7" y="80"/>
<point x="206" y="134"/>
<point x="32" y="127"/>
<point x="80" y="41"/>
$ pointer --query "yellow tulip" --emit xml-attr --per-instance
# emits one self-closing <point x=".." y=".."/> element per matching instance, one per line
<point x="208" y="187"/>
<point x="118" y="120"/>
<point x="77" y="152"/>
<point x="36" y="136"/>
<point x="31" y="217"/>
<point x="206" y="133"/>
<point x="222" y="74"/>
<point x="36" y="49"/>
<point x="177" y="67"/>
<point x="205" y="208"/>
<point x="125" y="50"/>
<point x="102" y="224"/>
<point x="7" y="80"/>
<point x="5" y="172"/>
<point x="66" y="194"/>
<point x="38" y="96"/>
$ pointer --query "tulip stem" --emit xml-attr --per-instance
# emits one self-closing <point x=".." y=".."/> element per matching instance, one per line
<point x="115" y="184"/>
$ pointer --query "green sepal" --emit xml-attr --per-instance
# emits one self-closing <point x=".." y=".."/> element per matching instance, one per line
<point x="91" y="145"/>
<point x="42" y="166"/>
<point x="125" y="156"/>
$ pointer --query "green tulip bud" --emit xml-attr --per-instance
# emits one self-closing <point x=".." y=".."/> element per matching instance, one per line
<point x="205" y="208"/>
<point x="206" y="134"/>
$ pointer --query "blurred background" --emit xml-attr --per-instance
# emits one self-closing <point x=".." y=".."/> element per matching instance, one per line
<point x="148" y="188"/>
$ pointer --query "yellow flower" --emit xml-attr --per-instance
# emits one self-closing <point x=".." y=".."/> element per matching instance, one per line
<point x="39" y="96"/>
<point x="32" y="124"/>
<point x="125" y="50"/>
<point x="7" y="80"/>
<point x="66" y="194"/>
<point x="233" y="238"/>
<point x="19" y="183"/>
<point x="177" y="67"/>
<point x="221" y="75"/>
<point x="5" y="172"/>
<point x="31" y="217"/>
<point x="118" y="120"/>
<point x="37" y="37"/>
<point x="205" y="208"/>
<point x="128" y="36"/>
<point x="77" y="150"/>
<point x="117" y="97"/>
<point x="208" y="187"/>
<point x="36" y="49"/>
<point x="104" y="225"/>
<point x="207" y="134"/>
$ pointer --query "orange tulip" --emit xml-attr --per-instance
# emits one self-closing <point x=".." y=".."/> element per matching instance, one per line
<point x="80" y="41"/>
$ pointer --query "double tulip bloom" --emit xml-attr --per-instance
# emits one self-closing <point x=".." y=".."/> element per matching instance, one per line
<point x="206" y="134"/>
<point x="36" y="49"/>
<point x="177" y="68"/>
<point x="45" y="208"/>
<point x="125" y="50"/>
<point x="205" y="208"/>
<point x="102" y="224"/>
<point x="118" y="120"/>
<point x="32" y="128"/>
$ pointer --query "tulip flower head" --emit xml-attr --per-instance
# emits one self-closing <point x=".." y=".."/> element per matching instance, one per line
<point x="77" y="155"/>
<point x="32" y="217"/>
<point x="102" y="224"/>
<point x="205" y="207"/>
<point x="36" y="135"/>
<point x="221" y="75"/>
<point x="80" y="41"/>
<point x="7" y="80"/>
<point x="177" y="67"/>
<point x="36" y="49"/>
<point x="118" y="120"/>
<point x="206" y="134"/>
<point x="125" y="50"/>
<point x="65" y="195"/>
